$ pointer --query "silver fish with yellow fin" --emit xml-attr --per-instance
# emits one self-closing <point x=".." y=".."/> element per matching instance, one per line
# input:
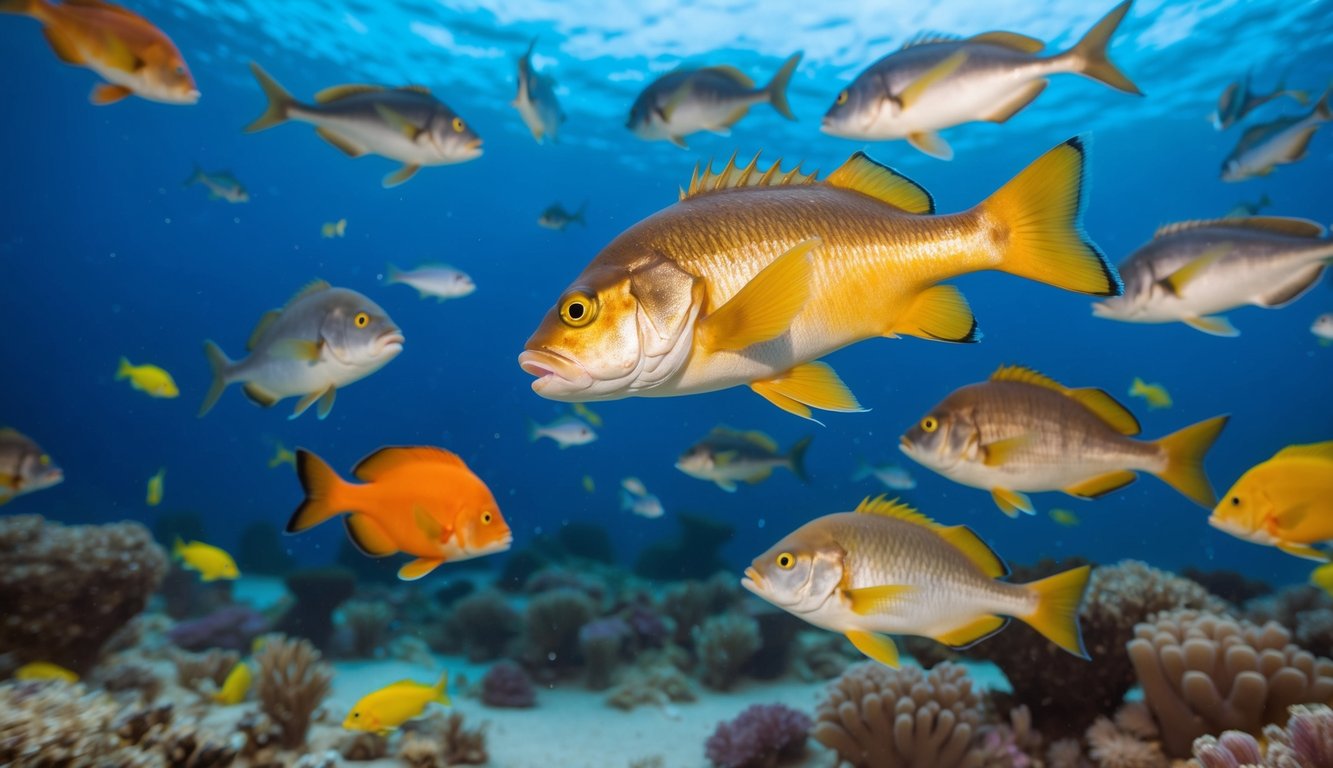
<point x="407" y="124"/>
<point x="222" y="185"/>
<point x="1277" y="142"/>
<point x="24" y="466"/>
<point x="936" y="82"/>
<point x="1237" y="101"/>
<point x="325" y="338"/>
<point x="727" y="457"/>
<point x="1022" y="431"/>
<point x="886" y="568"/>
<point x="1192" y="270"/>
<point x="755" y="274"/>
<point x="536" y="102"/>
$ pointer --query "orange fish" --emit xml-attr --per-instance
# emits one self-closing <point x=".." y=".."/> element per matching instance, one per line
<point x="131" y="54"/>
<point x="420" y="500"/>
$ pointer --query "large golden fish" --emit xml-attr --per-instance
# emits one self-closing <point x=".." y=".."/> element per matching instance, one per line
<point x="755" y="274"/>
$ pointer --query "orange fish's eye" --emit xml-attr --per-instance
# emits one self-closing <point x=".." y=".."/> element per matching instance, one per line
<point x="486" y="518"/>
<point x="578" y="310"/>
<point x="786" y="560"/>
<point x="458" y="125"/>
<point x="361" y="320"/>
<point x="842" y="98"/>
<point x="929" y="424"/>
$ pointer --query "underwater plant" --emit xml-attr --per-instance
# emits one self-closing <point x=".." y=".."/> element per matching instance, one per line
<point x="291" y="684"/>
<point x="761" y="736"/>
<point x="368" y="621"/>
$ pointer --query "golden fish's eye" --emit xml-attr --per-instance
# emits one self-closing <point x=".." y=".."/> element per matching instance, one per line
<point x="786" y="560"/>
<point x="578" y="310"/>
<point x="1235" y="501"/>
<point x="486" y="518"/>
<point x="842" y="98"/>
<point x="929" y="424"/>
<point x="361" y="320"/>
<point x="458" y="125"/>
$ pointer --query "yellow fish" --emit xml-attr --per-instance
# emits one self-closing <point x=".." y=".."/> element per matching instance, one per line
<point x="44" y="670"/>
<point x="587" y="414"/>
<point x="1322" y="577"/>
<point x="1064" y="517"/>
<point x="1285" y="502"/>
<point x="588" y="484"/>
<point x="155" y="487"/>
<point x="211" y="562"/>
<point x="332" y="229"/>
<point x="391" y="706"/>
<point x="147" y="378"/>
<point x="282" y="455"/>
<point x="1155" y="394"/>
<point x="235" y="687"/>
<point x="756" y="274"/>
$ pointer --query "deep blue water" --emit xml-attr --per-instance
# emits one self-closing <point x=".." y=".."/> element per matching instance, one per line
<point x="104" y="254"/>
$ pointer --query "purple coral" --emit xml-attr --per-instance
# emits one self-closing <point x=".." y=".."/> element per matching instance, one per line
<point x="762" y="735"/>
<point x="649" y="628"/>
<point x="232" y="628"/>
<point x="507" y="685"/>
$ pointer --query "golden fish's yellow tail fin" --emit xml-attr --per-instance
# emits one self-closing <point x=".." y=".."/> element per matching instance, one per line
<point x="1184" y="460"/>
<point x="279" y="101"/>
<point x="324" y="492"/>
<point x="1037" y="220"/>
<point x="124" y="370"/>
<point x="1089" y="54"/>
<point x="442" y="690"/>
<point x="1056" y="617"/>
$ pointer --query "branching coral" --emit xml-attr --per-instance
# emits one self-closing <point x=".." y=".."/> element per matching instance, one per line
<point x="192" y="669"/>
<point x="484" y="623"/>
<point x="1306" y="742"/>
<point x="292" y="682"/>
<point x="65" y="590"/>
<point x="723" y="645"/>
<point x="1113" y="747"/>
<point x="441" y="741"/>
<point x="762" y="736"/>
<point x="1203" y="673"/>
<point x="552" y="626"/>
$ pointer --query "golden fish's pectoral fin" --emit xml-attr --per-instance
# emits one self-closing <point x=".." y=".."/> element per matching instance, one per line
<point x="998" y="453"/>
<point x="401" y="175"/>
<point x="304" y="350"/>
<point x="861" y="174"/>
<point x="931" y="143"/>
<point x="1015" y="103"/>
<point x="868" y="600"/>
<point x="64" y="48"/>
<point x="1213" y="325"/>
<point x="326" y="402"/>
<point x="966" y="541"/>
<point x="1291" y="517"/>
<point x="912" y="93"/>
<point x="427" y="524"/>
<point x="810" y="385"/>
<point x="304" y="403"/>
<point x="368" y="536"/>
<point x="763" y="309"/>
<point x="1012" y="502"/>
<point x="348" y="147"/>
<point x="105" y="93"/>
<point x="1176" y="281"/>
<point x="398" y="122"/>
<point x="116" y="53"/>
<point x="418" y="568"/>
<point x="877" y="647"/>
<point x="1102" y="484"/>
<point x="259" y="396"/>
<point x="940" y="313"/>
<point x="972" y="632"/>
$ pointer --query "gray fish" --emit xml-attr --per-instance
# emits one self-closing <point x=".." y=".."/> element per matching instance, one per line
<point x="1244" y="208"/>
<point x="1282" y="141"/>
<point x="536" y="102"/>
<point x="1238" y="100"/>
<point x="937" y="82"/>
<point x="221" y="185"/>
<point x="564" y="431"/>
<point x="323" y="339"/>
<point x="406" y="124"/>
<point x="727" y="457"/>
<point x="557" y="218"/>
<point x="24" y="466"/>
<point x="689" y="100"/>
<point x="1194" y="269"/>
<point x="892" y="476"/>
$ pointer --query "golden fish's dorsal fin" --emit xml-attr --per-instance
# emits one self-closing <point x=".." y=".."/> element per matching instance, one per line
<point x="1278" y="225"/>
<point x="386" y="460"/>
<point x="733" y="176"/>
<point x="731" y="73"/>
<point x="879" y="505"/>
<point x="339" y="92"/>
<point x="755" y="437"/>
<point x="310" y="289"/>
<point x="1010" y="40"/>
<point x="263" y="325"/>
<point x="965" y="540"/>
<point x="1102" y="405"/>
<point x="1323" y="451"/>
<point x="861" y="174"/>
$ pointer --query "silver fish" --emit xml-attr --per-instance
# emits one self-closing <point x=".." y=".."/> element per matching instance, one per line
<point x="936" y="82"/>
<point x="1282" y="141"/>
<point x="1194" y="269"/>
<point x="1244" y="208"/>
<point x="1322" y="327"/>
<point x="728" y="457"/>
<point x="557" y="218"/>
<point x="689" y="100"/>
<point x="1237" y="101"/>
<point x="24" y="466"/>
<point x="221" y="185"/>
<point x="565" y="431"/>
<point x="323" y="339"/>
<point x="536" y="102"/>
<point x="892" y="476"/>
<point x="406" y="124"/>
<point x="635" y="498"/>
<point x="438" y="281"/>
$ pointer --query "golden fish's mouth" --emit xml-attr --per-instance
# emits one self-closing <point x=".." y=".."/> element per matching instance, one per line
<point x="753" y="581"/>
<point x="556" y="374"/>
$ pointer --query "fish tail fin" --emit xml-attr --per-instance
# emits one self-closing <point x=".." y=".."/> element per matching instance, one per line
<point x="863" y="470"/>
<point x="1137" y="386"/>
<point x="1056" y="616"/>
<point x="1037" y="219"/>
<point x="178" y="547"/>
<point x="777" y="87"/>
<point x="392" y="274"/>
<point x="341" y="227"/>
<point x="1184" y="459"/>
<point x="1321" y="109"/>
<point x="221" y="366"/>
<point x="442" y="689"/>
<point x="195" y="177"/>
<point x="279" y="101"/>
<point x="1089" y="54"/>
<point x="124" y="370"/>
<point x="796" y="458"/>
<point x="322" y="488"/>
<point x="534" y="433"/>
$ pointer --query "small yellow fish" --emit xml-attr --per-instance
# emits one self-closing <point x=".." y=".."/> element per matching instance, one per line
<point x="1322" y="577"/>
<point x="1285" y="502"/>
<point x="1154" y="394"/>
<point x="44" y="670"/>
<point x="588" y="484"/>
<point x="282" y="455"/>
<point x="1064" y="517"/>
<point x="211" y="562"/>
<point x="155" y="487"/>
<point x="391" y="706"/>
<point x="148" y="378"/>
<point x="587" y="414"/>
<point x="332" y="229"/>
<point x="235" y="687"/>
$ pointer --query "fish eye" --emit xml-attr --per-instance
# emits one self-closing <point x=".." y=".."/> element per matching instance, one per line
<point x="1235" y="501"/>
<point x="361" y="320"/>
<point x="786" y="560"/>
<point x="486" y="518"/>
<point x="842" y="97"/>
<point x="44" y="459"/>
<point x="458" y="125"/>
<point x="356" y="715"/>
<point x="578" y="310"/>
<point x="929" y="424"/>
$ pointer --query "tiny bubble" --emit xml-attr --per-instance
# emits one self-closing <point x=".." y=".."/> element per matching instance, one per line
<point x="550" y="656"/>
<point x="761" y="522"/>
<point x="236" y="220"/>
<point x="168" y="220"/>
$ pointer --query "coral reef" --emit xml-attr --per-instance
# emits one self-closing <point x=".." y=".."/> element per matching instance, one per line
<point x="600" y="643"/>
<point x="692" y="555"/>
<point x="484" y="624"/>
<point x="291" y="683"/>
<point x="1202" y="673"/>
<point x="648" y="628"/>
<point x="318" y="593"/>
<point x="761" y="736"/>
<point x="64" y="590"/>
<point x="820" y="655"/>
<point x="552" y="627"/>
<point x="1305" y="610"/>
<point x="368" y="623"/>
<point x="1306" y="742"/>
<point x="1231" y="586"/>
<point x="441" y="741"/>
<point x="233" y="627"/>
<point x="123" y="677"/>
<point x="507" y="685"/>
<point x="360" y="746"/>
<point x="1110" y="746"/>
<point x="724" y="644"/>
<point x="213" y="666"/>
<point x="659" y="685"/>
<point x="687" y="604"/>
<point x="1015" y="744"/>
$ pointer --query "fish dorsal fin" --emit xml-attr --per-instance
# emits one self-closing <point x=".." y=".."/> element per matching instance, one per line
<point x="755" y="437"/>
<point x="1102" y="405"/>
<point x="340" y="92"/>
<point x="1281" y="225"/>
<point x="421" y="89"/>
<point x="734" y="176"/>
<point x="861" y="174"/>
<point x="880" y="505"/>
<point x="104" y="6"/>
<point x="966" y="540"/>
<point x="263" y="325"/>
<point x="731" y="73"/>
<point x="388" y="459"/>
<point x="928" y="38"/>
<point x="1322" y="451"/>
<point x="311" y="288"/>
<point x="1010" y="40"/>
